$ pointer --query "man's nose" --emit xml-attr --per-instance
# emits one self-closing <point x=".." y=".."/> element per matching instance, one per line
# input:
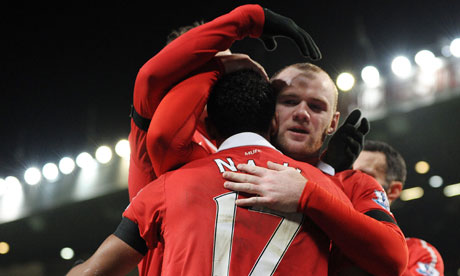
<point x="301" y="113"/>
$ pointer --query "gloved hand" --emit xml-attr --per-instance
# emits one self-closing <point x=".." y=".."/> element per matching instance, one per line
<point x="347" y="142"/>
<point x="278" y="25"/>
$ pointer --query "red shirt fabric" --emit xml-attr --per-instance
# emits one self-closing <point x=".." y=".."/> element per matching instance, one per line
<point x="424" y="259"/>
<point x="203" y="232"/>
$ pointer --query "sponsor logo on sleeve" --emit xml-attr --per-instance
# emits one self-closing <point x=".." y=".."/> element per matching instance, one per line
<point x="427" y="269"/>
<point x="381" y="199"/>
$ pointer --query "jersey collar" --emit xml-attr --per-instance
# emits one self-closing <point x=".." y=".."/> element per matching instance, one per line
<point x="245" y="139"/>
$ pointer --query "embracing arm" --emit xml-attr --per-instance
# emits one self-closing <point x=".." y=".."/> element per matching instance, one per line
<point x="381" y="251"/>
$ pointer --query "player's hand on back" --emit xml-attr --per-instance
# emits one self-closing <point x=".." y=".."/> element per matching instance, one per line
<point x="276" y="187"/>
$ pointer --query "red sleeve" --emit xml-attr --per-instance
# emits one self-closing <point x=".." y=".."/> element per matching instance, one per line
<point x="424" y="259"/>
<point x="383" y="242"/>
<point x="147" y="213"/>
<point x="169" y="139"/>
<point x="191" y="50"/>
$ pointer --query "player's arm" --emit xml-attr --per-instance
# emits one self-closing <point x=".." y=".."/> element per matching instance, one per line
<point x="113" y="257"/>
<point x="197" y="46"/>
<point x="381" y="251"/>
<point x="424" y="259"/>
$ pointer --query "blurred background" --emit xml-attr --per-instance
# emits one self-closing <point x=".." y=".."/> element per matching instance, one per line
<point x="67" y="77"/>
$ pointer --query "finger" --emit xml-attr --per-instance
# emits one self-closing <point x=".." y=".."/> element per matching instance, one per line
<point x="242" y="187"/>
<point x="353" y="117"/>
<point x="301" y="41"/>
<point x="240" y="177"/>
<point x="252" y="169"/>
<point x="269" y="43"/>
<point x="254" y="201"/>
<point x="277" y="167"/>
<point x="364" y="127"/>
<point x="314" y="51"/>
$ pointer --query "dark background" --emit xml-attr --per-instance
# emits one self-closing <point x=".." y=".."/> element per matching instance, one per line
<point x="68" y="70"/>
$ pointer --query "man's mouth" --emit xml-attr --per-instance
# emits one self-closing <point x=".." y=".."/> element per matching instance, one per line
<point x="299" y="130"/>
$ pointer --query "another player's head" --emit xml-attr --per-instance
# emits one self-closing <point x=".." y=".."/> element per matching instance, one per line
<point x="306" y="110"/>
<point x="242" y="101"/>
<point x="385" y="164"/>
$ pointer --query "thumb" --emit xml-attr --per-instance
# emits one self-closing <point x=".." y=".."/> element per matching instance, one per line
<point x="353" y="117"/>
<point x="364" y="127"/>
<point x="269" y="43"/>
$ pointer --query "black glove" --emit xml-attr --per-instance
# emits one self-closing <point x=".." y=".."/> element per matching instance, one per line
<point x="278" y="25"/>
<point x="347" y="142"/>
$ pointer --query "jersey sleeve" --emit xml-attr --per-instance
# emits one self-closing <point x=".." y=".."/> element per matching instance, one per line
<point x="189" y="52"/>
<point x="424" y="259"/>
<point x="365" y="192"/>
<point x="147" y="210"/>
<point x="383" y="243"/>
<point x="169" y="139"/>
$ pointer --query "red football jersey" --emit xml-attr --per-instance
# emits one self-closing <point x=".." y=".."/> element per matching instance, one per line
<point x="204" y="232"/>
<point x="424" y="259"/>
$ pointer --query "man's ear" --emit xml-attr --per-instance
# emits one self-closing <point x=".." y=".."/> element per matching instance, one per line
<point x="394" y="190"/>
<point x="334" y="123"/>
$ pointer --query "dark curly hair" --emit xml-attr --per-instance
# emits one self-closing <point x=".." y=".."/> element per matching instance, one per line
<point x="242" y="101"/>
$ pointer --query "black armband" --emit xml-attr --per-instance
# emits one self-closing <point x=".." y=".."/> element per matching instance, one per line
<point x="141" y="122"/>
<point x="128" y="231"/>
<point x="380" y="216"/>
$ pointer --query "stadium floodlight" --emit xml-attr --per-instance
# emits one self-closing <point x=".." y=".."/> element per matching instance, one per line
<point x="425" y="59"/>
<point x="435" y="181"/>
<point x="422" y="167"/>
<point x="455" y="47"/>
<point x="122" y="149"/>
<point x="85" y="161"/>
<point x="104" y="154"/>
<point x="67" y="253"/>
<point x="66" y="165"/>
<point x="32" y="176"/>
<point x="411" y="193"/>
<point x="345" y="81"/>
<point x="401" y="67"/>
<point x="371" y="76"/>
<point x="452" y="190"/>
<point x="50" y="171"/>
<point x="4" y="247"/>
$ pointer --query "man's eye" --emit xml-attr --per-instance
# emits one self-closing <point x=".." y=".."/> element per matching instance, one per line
<point x="289" y="102"/>
<point x="316" y="107"/>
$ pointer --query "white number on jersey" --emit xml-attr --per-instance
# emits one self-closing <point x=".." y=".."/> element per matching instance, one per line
<point x="274" y="250"/>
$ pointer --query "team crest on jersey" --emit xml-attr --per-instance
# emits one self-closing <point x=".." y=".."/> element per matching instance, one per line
<point x="381" y="199"/>
<point x="427" y="269"/>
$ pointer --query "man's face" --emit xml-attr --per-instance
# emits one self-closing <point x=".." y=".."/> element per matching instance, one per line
<point x="373" y="163"/>
<point x="305" y="113"/>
